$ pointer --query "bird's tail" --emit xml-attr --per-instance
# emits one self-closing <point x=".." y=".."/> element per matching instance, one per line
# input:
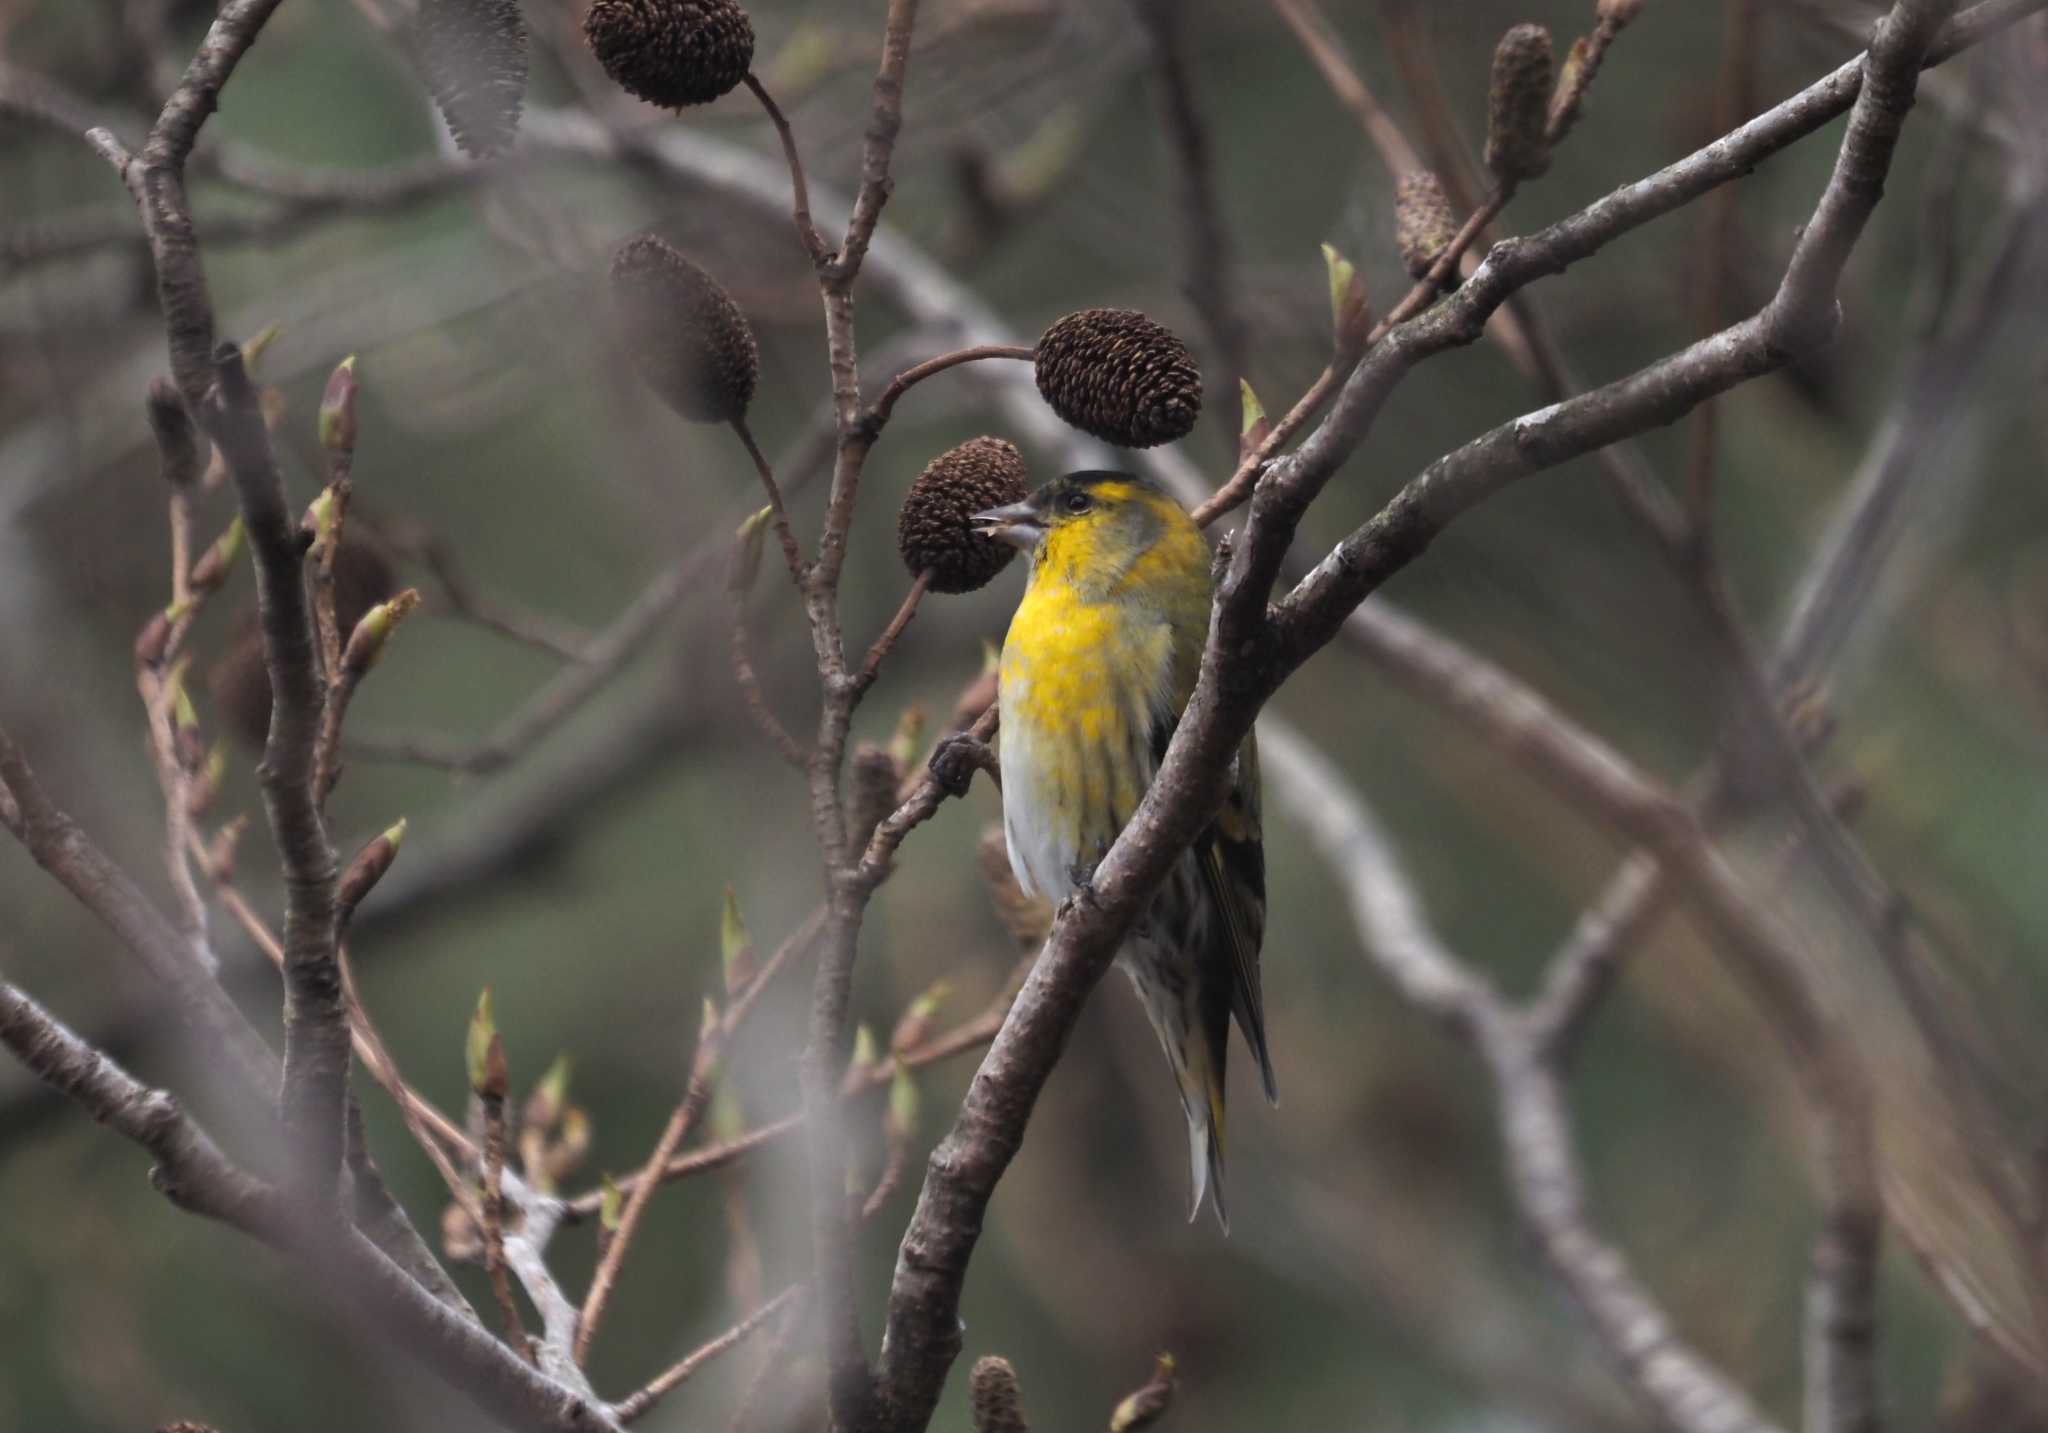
<point x="1201" y="1098"/>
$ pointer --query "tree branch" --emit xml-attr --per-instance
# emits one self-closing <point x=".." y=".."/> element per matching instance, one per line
<point x="316" y="1021"/>
<point x="923" y="1336"/>
<point x="62" y="848"/>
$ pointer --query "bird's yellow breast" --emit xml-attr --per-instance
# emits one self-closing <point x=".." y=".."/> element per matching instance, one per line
<point x="1086" y="678"/>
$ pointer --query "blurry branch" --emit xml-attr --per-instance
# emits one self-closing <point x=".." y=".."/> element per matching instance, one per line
<point x="1458" y="1306"/>
<point x="1734" y="97"/>
<point x="198" y="1001"/>
<point x="1838" y="589"/>
<point x="1208" y="267"/>
<point x="160" y="677"/>
<point x="1935" y="396"/>
<point x="1545" y="1175"/>
<point x="718" y="1031"/>
<point x="1259" y="651"/>
<point x="1326" y="51"/>
<point x="598" y="662"/>
<point x="315" y="1103"/>
<point x="192" y="1172"/>
<point x="218" y="392"/>
<point x="740" y="647"/>
<point x="300" y="198"/>
<point x="522" y="825"/>
<point x="62" y="848"/>
<point x="30" y="98"/>
<point x="461" y="598"/>
<point x="316" y="1030"/>
<point x="970" y="1034"/>
<point x="634" y="1406"/>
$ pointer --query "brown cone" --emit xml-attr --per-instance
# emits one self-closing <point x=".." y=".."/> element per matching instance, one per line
<point x="932" y="531"/>
<point x="1120" y="376"/>
<point x="1423" y="223"/>
<point x="1518" y="104"/>
<point x="671" y="52"/>
<point x="685" y="334"/>
<point x="997" y="1403"/>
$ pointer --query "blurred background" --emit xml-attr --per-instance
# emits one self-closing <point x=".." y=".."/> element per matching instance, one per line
<point x="1375" y="1276"/>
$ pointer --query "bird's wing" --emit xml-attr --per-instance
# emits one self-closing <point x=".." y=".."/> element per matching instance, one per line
<point x="1232" y="858"/>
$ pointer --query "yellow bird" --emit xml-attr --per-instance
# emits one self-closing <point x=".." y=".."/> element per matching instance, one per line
<point x="1099" y="663"/>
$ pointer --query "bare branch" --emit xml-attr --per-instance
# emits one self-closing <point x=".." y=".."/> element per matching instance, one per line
<point x="683" y="1369"/>
<point x="191" y="1170"/>
<point x="885" y="119"/>
<point x="903" y="382"/>
<point x="62" y="848"/>
<point x="806" y="228"/>
<point x="316" y="1023"/>
<point x="923" y="1336"/>
<point x="565" y="694"/>
<point x="1208" y="265"/>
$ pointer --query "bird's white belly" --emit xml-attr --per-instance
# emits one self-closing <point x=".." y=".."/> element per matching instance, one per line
<point x="1039" y="833"/>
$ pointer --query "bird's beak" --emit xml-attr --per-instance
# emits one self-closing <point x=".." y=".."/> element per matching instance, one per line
<point x="1018" y="525"/>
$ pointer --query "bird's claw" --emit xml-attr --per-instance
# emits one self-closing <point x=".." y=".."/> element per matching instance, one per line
<point x="955" y="760"/>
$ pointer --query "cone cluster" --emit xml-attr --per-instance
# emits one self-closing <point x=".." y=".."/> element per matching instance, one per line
<point x="671" y="53"/>
<point x="932" y="530"/>
<point x="683" y="332"/>
<point x="1116" y="374"/>
<point x="472" y="54"/>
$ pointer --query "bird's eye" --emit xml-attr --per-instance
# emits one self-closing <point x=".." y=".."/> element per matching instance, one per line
<point x="1077" y="502"/>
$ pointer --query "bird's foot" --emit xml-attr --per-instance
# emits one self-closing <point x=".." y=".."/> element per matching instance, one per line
<point x="955" y="760"/>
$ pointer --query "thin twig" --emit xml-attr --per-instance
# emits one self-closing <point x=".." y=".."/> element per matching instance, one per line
<point x="1732" y="103"/>
<point x="639" y="1189"/>
<point x="1313" y="32"/>
<point x="563" y="696"/>
<point x="695" y="1096"/>
<point x="1240" y="483"/>
<point x="740" y="648"/>
<point x="1208" y="264"/>
<point x="636" y="1404"/>
<point x="807" y="231"/>
<point x="791" y="554"/>
<point x="903" y="382"/>
<point x="493" y="1221"/>
<point x="871" y="666"/>
<point x="61" y="847"/>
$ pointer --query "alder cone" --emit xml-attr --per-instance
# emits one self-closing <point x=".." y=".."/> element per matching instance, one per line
<point x="1423" y="223"/>
<point x="671" y="53"/>
<point x="685" y="335"/>
<point x="1116" y="374"/>
<point x="998" y="1405"/>
<point x="1518" y="104"/>
<point x="932" y="529"/>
